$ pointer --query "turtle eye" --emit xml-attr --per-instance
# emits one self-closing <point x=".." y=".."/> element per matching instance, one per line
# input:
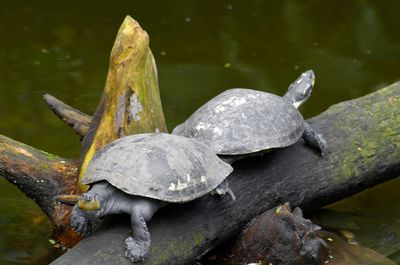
<point x="87" y="197"/>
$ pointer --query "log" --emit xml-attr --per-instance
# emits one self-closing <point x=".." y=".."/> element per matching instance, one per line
<point x="278" y="236"/>
<point x="42" y="176"/>
<point x="364" y="140"/>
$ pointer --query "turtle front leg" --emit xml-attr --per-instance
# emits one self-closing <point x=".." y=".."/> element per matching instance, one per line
<point x="314" y="139"/>
<point x="138" y="245"/>
<point x="80" y="223"/>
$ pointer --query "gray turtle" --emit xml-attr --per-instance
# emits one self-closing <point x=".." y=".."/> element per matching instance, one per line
<point x="240" y="121"/>
<point x="138" y="174"/>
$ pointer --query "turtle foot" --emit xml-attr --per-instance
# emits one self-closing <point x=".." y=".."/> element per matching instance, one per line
<point x="136" y="251"/>
<point x="322" y="144"/>
<point x="224" y="189"/>
<point x="315" y="140"/>
<point x="80" y="224"/>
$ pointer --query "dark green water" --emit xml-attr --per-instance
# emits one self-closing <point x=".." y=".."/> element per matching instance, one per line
<point x="202" y="48"/>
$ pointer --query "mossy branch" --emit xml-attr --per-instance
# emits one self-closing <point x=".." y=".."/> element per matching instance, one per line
<point x="42" y="177"/>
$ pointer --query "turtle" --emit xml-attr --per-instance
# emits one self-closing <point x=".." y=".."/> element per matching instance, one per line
<point x="141" y="173"/>
<point x="242" y="122"/>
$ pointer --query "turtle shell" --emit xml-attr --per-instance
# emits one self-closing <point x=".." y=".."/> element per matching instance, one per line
<point x="242" y="121"/>
<point x="160" y="166"/>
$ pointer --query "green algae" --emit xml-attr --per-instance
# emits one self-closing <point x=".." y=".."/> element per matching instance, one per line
<point x="370" y="131"/>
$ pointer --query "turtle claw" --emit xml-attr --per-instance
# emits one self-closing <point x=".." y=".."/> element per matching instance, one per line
<point x="224" y="189"/>
<point x="136" y="251"/>
<point x="322" y="144"/>
<point x="80" y="224"/>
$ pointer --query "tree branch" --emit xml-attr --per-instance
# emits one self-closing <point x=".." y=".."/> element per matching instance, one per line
<point x="78" y="120"/>
<point x="42" y="177"/>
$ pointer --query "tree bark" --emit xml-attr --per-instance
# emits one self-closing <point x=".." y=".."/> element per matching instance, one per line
<point x="364" y="139"/>
<point x="42" y="177"/>
<point x="131" y="99"/>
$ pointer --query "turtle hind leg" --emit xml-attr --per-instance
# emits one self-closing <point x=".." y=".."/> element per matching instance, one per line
<point x="138" y="245"/>
<point x="314" y="139"/>
<point x="223" y="189"/>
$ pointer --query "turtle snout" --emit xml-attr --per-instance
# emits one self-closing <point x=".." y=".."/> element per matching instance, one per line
<point x="89" y="202"/>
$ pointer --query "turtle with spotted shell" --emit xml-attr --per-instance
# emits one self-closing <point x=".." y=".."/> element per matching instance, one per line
<point x="240" y="122"/>
<point x="139" y="174"/>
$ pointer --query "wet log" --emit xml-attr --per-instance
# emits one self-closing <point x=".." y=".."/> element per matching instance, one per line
<point x="278" y="236"/>
<point x="42" y="177"/>
<point x="364" y="139"/>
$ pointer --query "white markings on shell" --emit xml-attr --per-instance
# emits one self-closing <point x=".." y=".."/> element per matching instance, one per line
<point x="202" y="126"/>
<point x="181" y="186"/>
<point x="188" y="178"/>
<point x="206" y="126"/>
<point x="229" y="103"/>
<point x="203" y="179"/>
<point x="217" y="130"/>
<point x="177" y="187"/>
<point x="171" y="186"/>
<point x="135" y="107"/>
<point x="219" y="109"/>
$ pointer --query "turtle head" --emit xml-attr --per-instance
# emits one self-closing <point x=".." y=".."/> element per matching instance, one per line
<point x="88" y="202"/>
<point x="300" y="90"/>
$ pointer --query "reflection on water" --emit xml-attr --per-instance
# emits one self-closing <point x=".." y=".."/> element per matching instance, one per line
<point x="24" y="230"/>
<point x="202" y="48"/>
<point x="375" y="218"/>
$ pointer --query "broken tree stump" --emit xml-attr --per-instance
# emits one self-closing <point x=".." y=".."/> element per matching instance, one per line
<point x="364" y="139"/>
<point x="131" y="99"/>
<point x="130" y="104"/>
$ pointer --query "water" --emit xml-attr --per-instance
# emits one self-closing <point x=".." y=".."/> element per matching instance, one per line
<point x="201" y="47"/>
